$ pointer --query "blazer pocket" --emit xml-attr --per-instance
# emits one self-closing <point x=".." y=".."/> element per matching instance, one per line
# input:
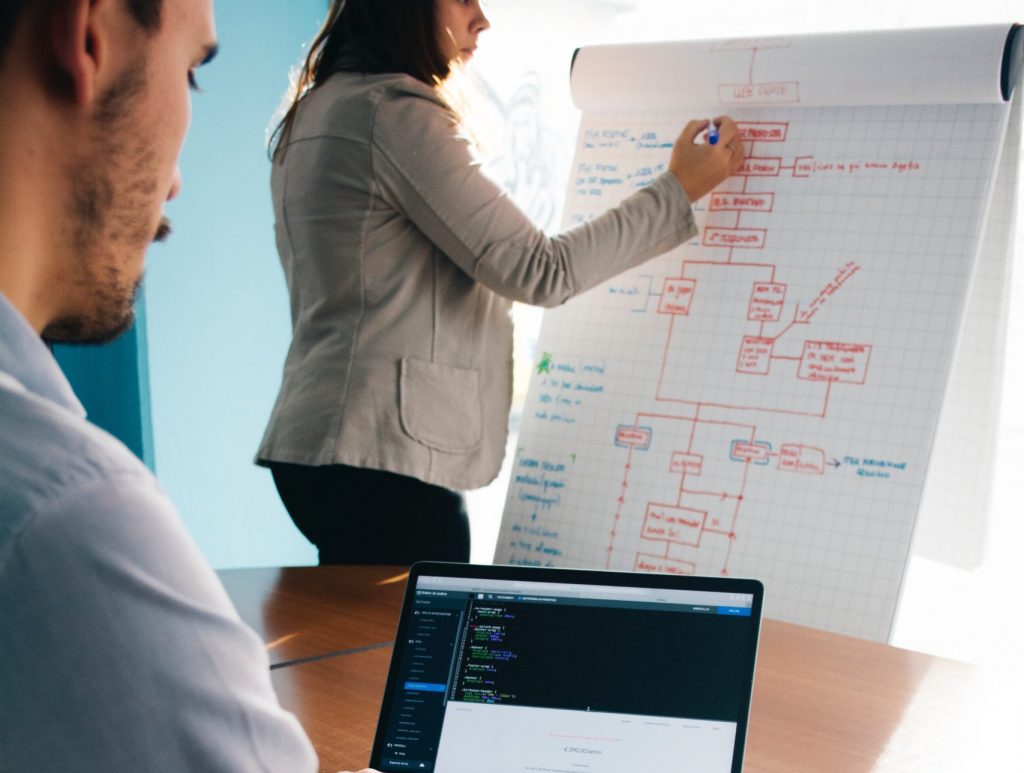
<point x="440" y="406"/>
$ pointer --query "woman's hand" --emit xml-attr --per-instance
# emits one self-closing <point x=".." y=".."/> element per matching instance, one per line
<point x="701" y="168"/>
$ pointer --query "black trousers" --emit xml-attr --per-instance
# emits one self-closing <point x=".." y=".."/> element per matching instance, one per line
<point x="359" y="516"/>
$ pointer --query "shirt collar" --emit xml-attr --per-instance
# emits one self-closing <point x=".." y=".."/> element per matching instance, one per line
<point x="25" y="358"/>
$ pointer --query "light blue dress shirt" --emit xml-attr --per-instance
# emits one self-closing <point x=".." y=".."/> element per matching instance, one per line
<point x="119" y="649"/>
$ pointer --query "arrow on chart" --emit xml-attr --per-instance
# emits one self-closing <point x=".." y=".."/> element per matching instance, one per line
<point x="835" y="463"/>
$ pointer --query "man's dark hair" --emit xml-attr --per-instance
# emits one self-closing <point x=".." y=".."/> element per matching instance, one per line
<point x="146" y="13"/>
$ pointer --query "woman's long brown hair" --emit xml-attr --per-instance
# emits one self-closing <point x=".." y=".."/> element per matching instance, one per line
<point x="370" y="36"/>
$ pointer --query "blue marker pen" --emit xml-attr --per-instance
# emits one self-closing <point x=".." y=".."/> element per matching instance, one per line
<point x="712" y="133"/>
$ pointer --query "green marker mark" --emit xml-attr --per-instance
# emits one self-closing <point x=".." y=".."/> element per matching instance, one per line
<point x="545" y="364"/>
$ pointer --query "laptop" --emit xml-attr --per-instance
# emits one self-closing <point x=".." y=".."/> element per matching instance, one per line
<point x="500" y="669"/>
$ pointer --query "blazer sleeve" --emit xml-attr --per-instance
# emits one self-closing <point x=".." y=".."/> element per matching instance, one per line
<point x="426" y="168"/>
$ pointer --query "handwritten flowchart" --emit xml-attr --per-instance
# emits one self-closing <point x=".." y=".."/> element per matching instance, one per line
<point x="762" y="400"/>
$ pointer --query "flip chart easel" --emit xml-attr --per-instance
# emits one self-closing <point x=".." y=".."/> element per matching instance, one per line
<point x="765" y="400"/>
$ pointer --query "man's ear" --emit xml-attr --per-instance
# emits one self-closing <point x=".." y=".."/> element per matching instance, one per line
<point x="78" y="47"/>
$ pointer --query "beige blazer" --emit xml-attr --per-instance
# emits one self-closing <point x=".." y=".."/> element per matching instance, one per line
<point x="402" y="261"/>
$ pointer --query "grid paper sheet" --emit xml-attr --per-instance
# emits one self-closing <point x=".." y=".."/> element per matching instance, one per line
<point x="763" y="400"/>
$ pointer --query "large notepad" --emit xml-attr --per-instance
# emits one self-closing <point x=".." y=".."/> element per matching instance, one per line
<point x="765" y="400"/>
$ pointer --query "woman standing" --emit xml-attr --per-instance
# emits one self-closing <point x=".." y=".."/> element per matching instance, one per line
<point x="402" y="261"/>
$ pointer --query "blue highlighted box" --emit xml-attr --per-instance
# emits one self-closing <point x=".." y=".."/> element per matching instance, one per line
<point x="734" y="611"/>
<point x="425" y="687"/>
<point x="756" y="452"/>
<point x="633" y="436"/>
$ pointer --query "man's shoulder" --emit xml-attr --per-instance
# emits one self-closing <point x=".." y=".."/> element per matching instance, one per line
<point x="114" y="626"/>
<point x="47" y="454"/>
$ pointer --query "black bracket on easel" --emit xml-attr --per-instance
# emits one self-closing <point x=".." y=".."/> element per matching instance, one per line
<point x="1013" y="54"/>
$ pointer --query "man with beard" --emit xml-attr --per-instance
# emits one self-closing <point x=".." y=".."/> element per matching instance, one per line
<point x="119" y="649"/>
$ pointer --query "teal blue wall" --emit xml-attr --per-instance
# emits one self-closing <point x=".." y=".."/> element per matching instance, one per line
<point x="112" y="383"/>
<point x="217" y="308"/>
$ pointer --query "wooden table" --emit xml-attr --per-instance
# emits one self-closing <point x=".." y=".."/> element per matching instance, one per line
<point x="822" y="702"/>
<point x="310" y="612"/>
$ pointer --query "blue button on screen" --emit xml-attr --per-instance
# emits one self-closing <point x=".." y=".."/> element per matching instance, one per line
<point x="422" y="687"/>
<point x="737" y="611"/>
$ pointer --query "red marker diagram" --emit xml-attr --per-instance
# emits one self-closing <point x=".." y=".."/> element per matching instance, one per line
<point x="762" y="399"/>
<point x="774" y="341"/>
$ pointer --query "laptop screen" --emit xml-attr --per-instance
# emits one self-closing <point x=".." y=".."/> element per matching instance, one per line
<point x="510" y="669"/>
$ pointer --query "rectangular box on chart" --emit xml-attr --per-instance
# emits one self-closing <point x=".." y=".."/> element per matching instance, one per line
<point x="834" y="361"/>
<point x="763" y="131"/>
<point x="800" y="458"/>
<point x="677" y="296"/>
<point x="767" y="300"/>
<point x="663" y="565"/>
<point x="668" y="523"/>
<point x="686" y="463"/>
<point x="760" y="167"/>
<point x="755" y="355"/>
<point x="743" y="451"/>
<point x="630" y="436"/>
<point x="740" y="238"/>
<point x="727" y="201"/>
